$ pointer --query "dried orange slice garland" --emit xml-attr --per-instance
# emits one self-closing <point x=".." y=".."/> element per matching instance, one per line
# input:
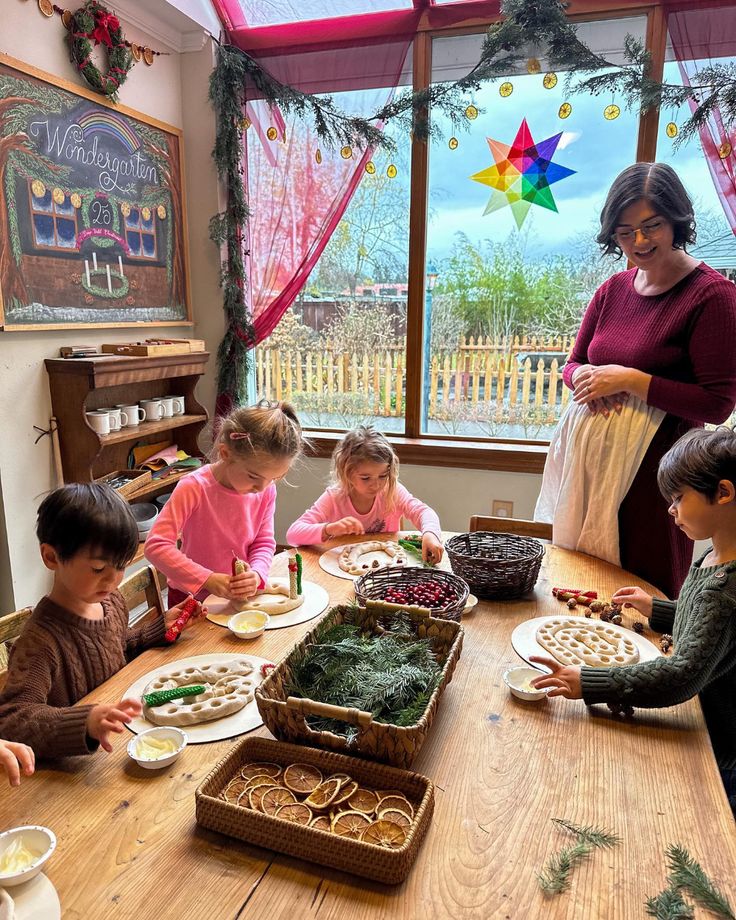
<point x="335" y="804"/>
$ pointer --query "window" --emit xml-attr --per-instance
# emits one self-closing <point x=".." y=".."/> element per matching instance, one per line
<point x="54" y="219"/>
<point x="511" y="255"/>
<point x="140" y="233"/>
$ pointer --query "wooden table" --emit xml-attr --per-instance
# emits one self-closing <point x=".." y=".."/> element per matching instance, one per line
<point x="128" y="845"/>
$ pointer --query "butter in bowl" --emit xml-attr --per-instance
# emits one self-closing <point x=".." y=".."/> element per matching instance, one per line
<point x="157" y="747"/>
<point x="23" y="851"/>
<point x="249" y="624"/>
<point x="519" y="681"/>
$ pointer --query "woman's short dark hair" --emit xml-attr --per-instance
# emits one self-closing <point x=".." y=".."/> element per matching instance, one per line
<point x="88" y="515"/>
<point x="700" y="460"/>
<point x="660" y="185"/>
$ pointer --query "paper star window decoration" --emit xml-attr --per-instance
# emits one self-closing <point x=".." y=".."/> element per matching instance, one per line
<point x="522" y="174"/>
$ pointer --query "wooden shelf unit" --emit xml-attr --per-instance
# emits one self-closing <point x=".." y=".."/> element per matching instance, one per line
<point x="80" y="384"/>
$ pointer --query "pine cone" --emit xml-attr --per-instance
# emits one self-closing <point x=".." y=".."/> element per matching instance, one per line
<point x="638" y="627"/>
<point x="588" y="613"/>
<point x="617" y="619"/>
<point x="597" y="606"/>
<point x="605" y="615"/>
<point x="572" y="603"/>
<point x="665" y="642"/>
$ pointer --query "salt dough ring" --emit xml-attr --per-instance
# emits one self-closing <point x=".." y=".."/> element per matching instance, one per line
<point x="573" y="642"/>
<point x="273" y="599"/>
<point x="227" y="690"/>
<point x="348" y="560"/>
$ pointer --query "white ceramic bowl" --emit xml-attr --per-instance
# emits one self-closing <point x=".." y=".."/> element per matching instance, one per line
<point x="161" y="732"/>
<point x="144" y="514"/>
<point x="517" y="680"/>
<point x="39" y="839"/>
<point x="249" y="624"/>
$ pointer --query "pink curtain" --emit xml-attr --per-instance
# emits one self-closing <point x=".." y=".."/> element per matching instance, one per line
<point x="297" y="188"/>
<point x="697" y="41"/>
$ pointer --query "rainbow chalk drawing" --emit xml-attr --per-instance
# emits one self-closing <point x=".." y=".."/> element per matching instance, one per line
<point x="522" y="174"/>
<point x="111" y="124"/>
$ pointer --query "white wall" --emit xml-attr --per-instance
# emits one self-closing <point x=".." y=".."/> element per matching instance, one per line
<point x="173" y="90"/>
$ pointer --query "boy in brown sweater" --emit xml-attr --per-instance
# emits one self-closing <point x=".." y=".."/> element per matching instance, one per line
<point x="78" y="635"/>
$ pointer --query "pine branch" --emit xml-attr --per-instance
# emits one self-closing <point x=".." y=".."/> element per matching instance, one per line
<point x="555" y="877"/>
<point x="594" y="836"/>
<point x="669" y="905"/>
<point x="686" y="873"/>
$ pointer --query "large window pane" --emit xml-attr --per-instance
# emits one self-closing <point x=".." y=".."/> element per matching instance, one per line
<point x="508" y="281"/>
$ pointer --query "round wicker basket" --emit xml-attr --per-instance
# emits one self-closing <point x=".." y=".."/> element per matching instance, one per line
<point x="497" y="565"/>
<point x="373" y="585"/>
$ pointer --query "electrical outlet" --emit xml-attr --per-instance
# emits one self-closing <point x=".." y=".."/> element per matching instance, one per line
<point x="502" y="509"/>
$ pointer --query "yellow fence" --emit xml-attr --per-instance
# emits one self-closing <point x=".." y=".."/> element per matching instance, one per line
<point x="495" y="374"/>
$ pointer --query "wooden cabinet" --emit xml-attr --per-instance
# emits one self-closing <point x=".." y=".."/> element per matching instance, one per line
<point x="81" y="384"/>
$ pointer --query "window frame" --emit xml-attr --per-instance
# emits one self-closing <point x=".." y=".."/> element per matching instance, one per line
<point x="55" y="216"/>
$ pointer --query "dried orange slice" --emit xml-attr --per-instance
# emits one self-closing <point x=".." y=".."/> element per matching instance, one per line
<point x="343" y="777"/>
<point x="382" y="793"/>
<point x="296" y="812"/>
<point x="273" y="799"/>
<point x="399" y="803"/>
<point x="394" y="815"/>
<point x="324" y="795"/>
<point x="363" y="800"/>
<point x="350" y="824"/>
<point x="254" y="769"/>
<point x="384" y="834"/>
<point x="321" y="822"/>
<point x="255" y="794"/>
<point x="233" y="790"/>
<point x="258" y="780"/>
<point x="344" y="792"/>
<point x="302" y="778"/>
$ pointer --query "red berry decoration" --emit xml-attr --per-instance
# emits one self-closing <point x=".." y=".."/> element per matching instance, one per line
<point x="423" y="594"/>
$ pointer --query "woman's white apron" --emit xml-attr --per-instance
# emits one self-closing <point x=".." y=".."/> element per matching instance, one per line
<point x="591" y="464"/>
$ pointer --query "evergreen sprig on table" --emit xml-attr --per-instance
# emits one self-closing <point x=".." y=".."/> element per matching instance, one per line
<point x="686" y="874"/>
<point x="669" y="905"/>
<point x="555" y="877"/>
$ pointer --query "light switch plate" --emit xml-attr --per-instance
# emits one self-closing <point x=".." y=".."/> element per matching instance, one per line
<point x="502" y="509"/>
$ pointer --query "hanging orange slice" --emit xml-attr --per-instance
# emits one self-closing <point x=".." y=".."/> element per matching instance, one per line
<point x="350" y="824"/>
<point x="324" y="795"/>
<point x="344" y="792"/>
<point x="296" y="812"/>
<point x="399" y="803"/>
<point x="256" y="769"/>
<point x="255" y="794"/>
<point x="321" y="823"/>
<point x="302" y="778"/>
<point x="395" y="816"/>
<point x="273" y="799"/>
<point x="363" y="800"/>
<point x="384" y="834"/>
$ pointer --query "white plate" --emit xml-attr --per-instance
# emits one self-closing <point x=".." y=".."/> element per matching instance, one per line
<point x="524" y="639"/>
<point x="244" y="720"/>
<point x="36" y="900"/>
<point x="330" y="560"/>
<point x="316" y="599"/>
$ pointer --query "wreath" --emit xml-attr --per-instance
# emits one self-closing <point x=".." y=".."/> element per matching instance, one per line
<point x="94" y="22"/>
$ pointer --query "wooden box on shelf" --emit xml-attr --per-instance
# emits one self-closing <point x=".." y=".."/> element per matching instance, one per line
<point x="81" y="384"/>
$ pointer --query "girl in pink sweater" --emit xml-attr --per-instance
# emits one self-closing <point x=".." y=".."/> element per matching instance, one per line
<point x="226" y="509"/>
<point x="366" y="497"/>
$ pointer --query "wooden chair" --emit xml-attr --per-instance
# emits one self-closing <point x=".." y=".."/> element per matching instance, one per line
<point x="11" y="626"/>
<point x="511" y="525"/>
<point x="143" y="587"/>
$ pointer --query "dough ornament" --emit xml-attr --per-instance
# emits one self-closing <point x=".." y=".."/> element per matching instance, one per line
<point x="578" y="642"/>
<point x="187" y="612"/>
<point x="274" y="598"/>
<point x="227" y="689"/>
<point x="349" y="560"/>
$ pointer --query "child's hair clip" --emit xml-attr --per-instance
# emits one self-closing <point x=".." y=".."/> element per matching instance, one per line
<point x="239" y="436"/>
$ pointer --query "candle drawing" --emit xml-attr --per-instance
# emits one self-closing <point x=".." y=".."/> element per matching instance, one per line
<point x="94" y="260"/>
<point x="120" y="266"/>
<point x="109" y="280"/>
<point x="86" y="271"/>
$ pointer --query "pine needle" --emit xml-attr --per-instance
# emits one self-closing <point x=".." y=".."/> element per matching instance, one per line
<point x="686" y="873"/>
<point x="555" y="877"/>
<point x="669" y="905"/>
<point x="594" y="836"/>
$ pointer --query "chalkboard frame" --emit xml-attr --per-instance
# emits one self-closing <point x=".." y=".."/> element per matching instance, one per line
<point x="181" y="248"/>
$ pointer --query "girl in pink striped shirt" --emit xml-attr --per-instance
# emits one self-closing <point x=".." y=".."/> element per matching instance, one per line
<point x="366" y="497"/>
<point x="226" y="509"/>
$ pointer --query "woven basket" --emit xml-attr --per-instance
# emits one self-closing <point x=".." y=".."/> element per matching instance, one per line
<point x="285" y="717"/>
<point x="499" y="565"/>
<point x="374" y="585"/>
<point x="323" y="847"/>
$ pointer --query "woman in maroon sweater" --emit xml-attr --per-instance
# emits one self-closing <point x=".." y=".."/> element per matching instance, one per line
<point x="659" y="341"/>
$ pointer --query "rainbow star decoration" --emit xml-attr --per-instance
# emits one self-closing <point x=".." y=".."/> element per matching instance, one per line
<point x="522" y="174"/>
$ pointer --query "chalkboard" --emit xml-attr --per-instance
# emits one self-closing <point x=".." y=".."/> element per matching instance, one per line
<point x="92" y="206"/>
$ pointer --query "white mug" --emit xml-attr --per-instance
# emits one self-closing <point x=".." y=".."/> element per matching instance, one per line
<point x="179" y="405"/>
<point x="118" y="418"/>
<point x="133" y="414"/>
<point x="99" y="421"/>
<point x="153" y="409"/>
<point x="172" y="406"/>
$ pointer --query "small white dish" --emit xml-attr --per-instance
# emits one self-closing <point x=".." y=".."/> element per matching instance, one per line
<point x="470" y="603"/>
<point x="162" y="732"/>
<point x="36" y="838"/>
<point x="517" y="680"/>
<point x="248" y="624"/>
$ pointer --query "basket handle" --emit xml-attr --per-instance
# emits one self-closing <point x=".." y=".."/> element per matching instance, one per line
<point x="328" y="711"/>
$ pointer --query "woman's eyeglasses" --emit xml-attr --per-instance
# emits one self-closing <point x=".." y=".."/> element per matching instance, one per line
<point x="649" y="229"/>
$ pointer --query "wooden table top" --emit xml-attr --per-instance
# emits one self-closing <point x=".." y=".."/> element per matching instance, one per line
<point x="129" y="847"/>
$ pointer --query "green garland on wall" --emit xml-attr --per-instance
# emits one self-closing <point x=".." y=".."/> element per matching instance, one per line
<point x="526" y="27"/>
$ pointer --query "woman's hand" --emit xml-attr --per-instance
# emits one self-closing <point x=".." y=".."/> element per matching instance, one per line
<point x="607" y="404"/>
<point x="593" y="383"/>
<point x="636" y="598"/>
<point x="564" y="679"/>
<point x="431" y="548"/>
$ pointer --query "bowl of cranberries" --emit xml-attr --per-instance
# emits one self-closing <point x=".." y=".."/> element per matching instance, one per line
<point x="442" y="593"/>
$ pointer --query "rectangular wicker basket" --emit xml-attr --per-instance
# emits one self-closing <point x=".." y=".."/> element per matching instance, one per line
<point x="327" y="849"/>
<point x="285" y="716"/>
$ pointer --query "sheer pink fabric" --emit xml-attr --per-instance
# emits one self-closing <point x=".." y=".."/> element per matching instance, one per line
<point x="698" y="40"/>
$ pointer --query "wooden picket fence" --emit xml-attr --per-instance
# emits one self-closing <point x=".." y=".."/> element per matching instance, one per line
<point x="487" y="374"/>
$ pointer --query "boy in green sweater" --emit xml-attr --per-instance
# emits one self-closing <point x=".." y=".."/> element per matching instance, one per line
<point x="698" y="477"/>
